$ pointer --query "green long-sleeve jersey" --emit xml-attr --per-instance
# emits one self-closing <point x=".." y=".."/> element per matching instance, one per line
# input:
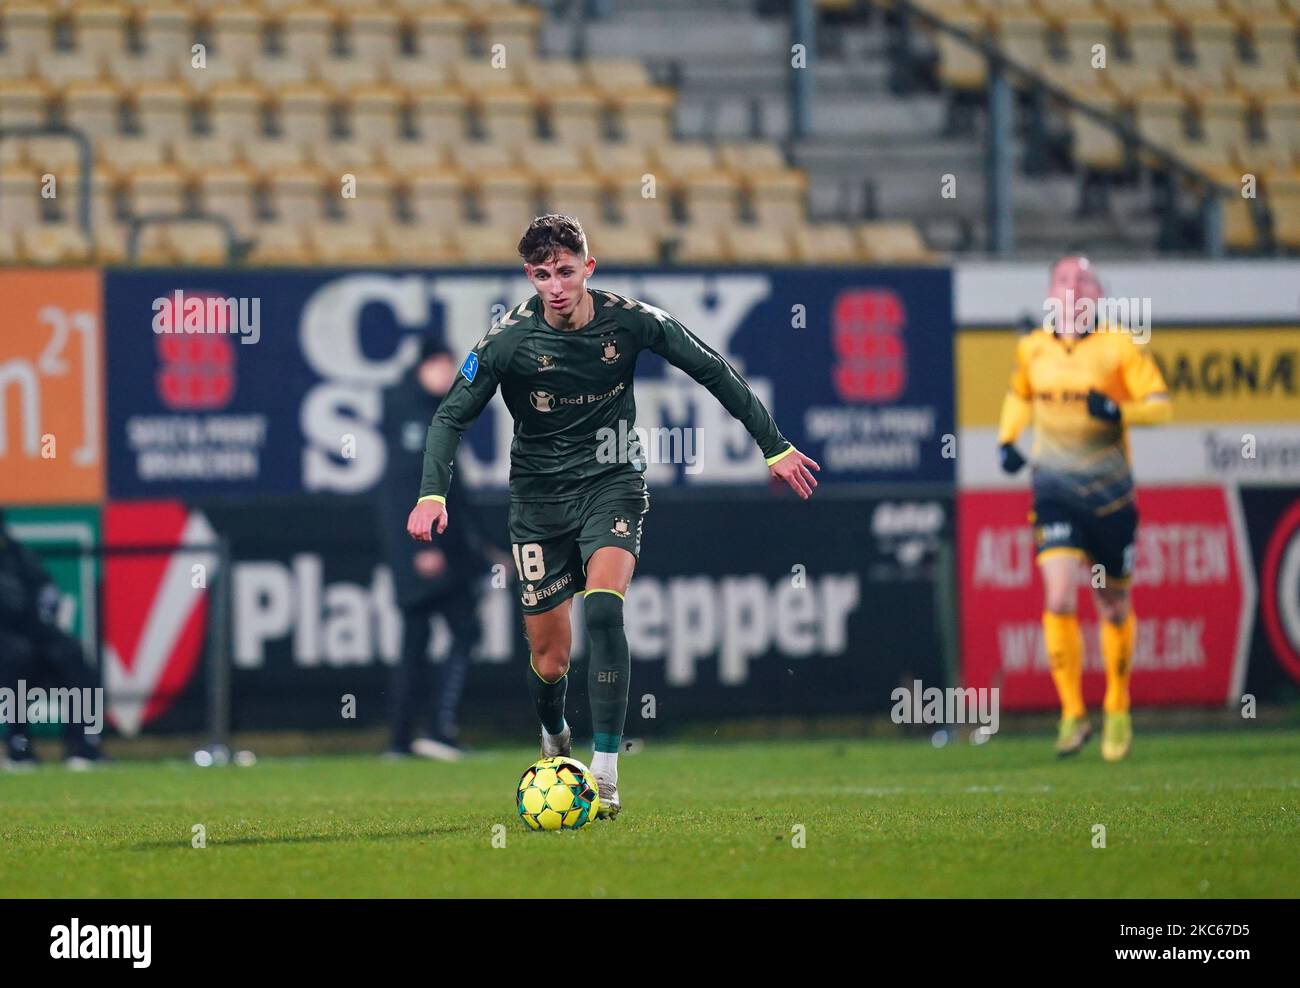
<point x="569" y="390"/>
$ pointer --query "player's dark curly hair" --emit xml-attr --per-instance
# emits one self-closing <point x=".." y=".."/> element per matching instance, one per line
<point x="547" y="234"/>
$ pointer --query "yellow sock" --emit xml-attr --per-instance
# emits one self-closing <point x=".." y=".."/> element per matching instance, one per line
<point x="1064" y="642"/>
<point x="1117" y="652"/>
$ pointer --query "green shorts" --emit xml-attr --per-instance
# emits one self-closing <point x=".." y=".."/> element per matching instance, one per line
<point x="552" y="540"/>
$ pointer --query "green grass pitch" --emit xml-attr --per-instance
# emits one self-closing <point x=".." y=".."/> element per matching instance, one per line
<point x="1190" y="815"/>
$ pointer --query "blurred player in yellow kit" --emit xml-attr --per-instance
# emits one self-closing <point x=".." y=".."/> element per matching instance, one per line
<point x="1081" y="385"/>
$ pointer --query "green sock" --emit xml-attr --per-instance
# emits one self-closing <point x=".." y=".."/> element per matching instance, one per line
<point x="609" y="669"/>
<point x="548" y="698"/>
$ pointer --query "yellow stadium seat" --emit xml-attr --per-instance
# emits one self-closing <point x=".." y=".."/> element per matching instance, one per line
<point x="405" y="156"/>
<point x="895" y="242"/>
<point x="23" y="103"/>
<point x="778" y="198"/>
<point x="439" y="115"/>
<point x="346" y="243"/>
<point x="825" y="243"/>
<point x="507" y="197"/>
<point x="759" y="244"/>
<point x="1281" y="116"/>
<point x="163" y="109"/>
<point x="372" y="205"/>
<point x="507" y="115"/>
<point x="238" y="33"/>
<point x="1159" y="116"/>
<point x="1239" y="229"/>
<point x="646" y="115"/>
<point x="1285" y="212"/>
<point x="571" y="193"/>
<point x="156" y="189"/>
<point x="1223" y="118"/>
<point x="746" y="157"/>
<point x="374" y="114"/>
<point x="549" y="159"/>
<point x="9" y="247"/>
<point x="93" y="107"/>
<point x="617" y="244"/>
<point x="612" y="77"/>
<point x="51" y="154"/>
<point x="373" y="35"/>
<point x="54" y="243"/>
<point x="193" y="153"/>
<point x="513" y="26"/>
<point x="304" y="113"/>
<point x="616" y="161"/>
<point x="701" y="245"/>
<point x="437" y="197"/>
<point x="99" y="28"/>
<point x="280" y="244"/>
<point x="197" y="242"/>
<point x="473" y="157"/>
<point x="1150" y="37"/>
<point x="575" y="116"/>
<point x="307" y="33"/>
<point x="679" y="160"/>
<point x="167" y="31"/>
<point x="1255" y="79"/>
<point x="480" y="244"/>
<point x="419" y="243"/>
<point x="229" y="192"/>
<point x="546" y="75"/>
<point x="1082" y="32"/>
<point x="28" y="27"/>
<point x="440" y="34"/>
<point x="1274" y="41"/>
<point x="1129" y="79"/>
<point x="59" y="68"/>
<point x="638" y="208"/>
<point x="712" y="198"/>
<point x="961" y="67"/>
<point x="1022" y="36"/>
<point x="20" y="191"/>
<point x="298" y="195"/>
<point x="1214" y="39"/>
<point x="1268" y="155"/>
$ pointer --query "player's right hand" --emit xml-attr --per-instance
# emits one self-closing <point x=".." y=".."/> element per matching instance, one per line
<point x="1010" y="458"/>
<point x="422" y="519"/>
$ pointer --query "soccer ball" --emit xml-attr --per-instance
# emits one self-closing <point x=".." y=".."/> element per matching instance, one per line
<point x="557" y="794"/>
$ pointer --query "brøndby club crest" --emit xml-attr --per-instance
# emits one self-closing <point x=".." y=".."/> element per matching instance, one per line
<point x="608" y="350"/>
<point x="622" y="528"/>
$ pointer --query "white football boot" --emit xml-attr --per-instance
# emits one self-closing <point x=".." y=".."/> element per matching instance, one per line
<point x="559" y="747"/>
<point x="607" y="792"/>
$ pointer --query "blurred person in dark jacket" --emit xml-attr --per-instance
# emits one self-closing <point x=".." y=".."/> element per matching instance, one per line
<point x="33" y="648"/>
<point x="441" y="578"/>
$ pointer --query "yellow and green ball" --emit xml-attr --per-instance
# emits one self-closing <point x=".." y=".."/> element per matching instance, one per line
<point x="557" y="794"/>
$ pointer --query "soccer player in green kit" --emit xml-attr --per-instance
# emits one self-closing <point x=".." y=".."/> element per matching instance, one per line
<point x="564" y="361"/>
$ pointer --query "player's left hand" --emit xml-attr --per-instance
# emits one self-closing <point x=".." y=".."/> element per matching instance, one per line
<point x="1102" y="407"/>
<point x="793" y="470"/>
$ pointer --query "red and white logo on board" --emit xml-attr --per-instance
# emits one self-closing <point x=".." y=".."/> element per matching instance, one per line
<point x="870" y="354"/>
<point x="1280" y="603"/>
<point x="156" y="607"/>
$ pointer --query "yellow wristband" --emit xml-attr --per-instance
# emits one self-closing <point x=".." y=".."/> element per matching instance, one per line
<point x="779" y="456"/>
<point x="432" y="497"/>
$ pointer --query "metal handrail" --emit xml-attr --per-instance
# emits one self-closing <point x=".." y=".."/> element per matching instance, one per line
<point x="86" y="161"/>
<point x="235" y="247"/>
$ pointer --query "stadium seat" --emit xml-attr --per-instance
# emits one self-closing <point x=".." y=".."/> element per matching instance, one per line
<point x="1022" y="36"/>
<point x="238" y="34"/>
<point x="572" y="193"/>
<point x="825" y="243"/>
<point x="646" y="115"/>
<point x="961" y="68"/>
<point x="297" y="194"/>
<point x="743" y="157"/>
<point x="701" y="245"/>
<point x="99" y="28"/>
<point x="1281" y="118"/>
<point x="473" y="157"/>
<point x="439" y="116"/>
<point x="280" y="244"/>
<point x="419" y="243"/>
<point x="373" y="35"/>
<point x="616" y="161"/>
<point x="9" y="247"/>
<point x="1240" y="232"/>
<point x="647" y="212"/>
<point x="574" y="116"/>
<point x="167" y="32"/>
<point x="23" y="103"/>
<point x="711" y="198"/>
<point x="777" y="198"/>
<point x="513" y="26"/>
<point x="93" y="107"/>
<point x="1274" y="41"/>
<point x="679" y="160"/>
<point x="228" y="192"/>
<point x="1160" y="117"/>
<point x="549" y="159"/>
<point x="507" y="197"/>
<point x="437" y="196"/>
<point x="307" y="34"/>
<point x="543" y="75"/>
<point x="1214" y="39"/>
<point x="159" y="189"/>
<point x="416" y="73"/>
<point x="1149" y="38"/>
<point x="196" y="242"/>
<point x="303" y="111"/>
<point x="54" y="243"/>
<point x="1285" y="211"/>
<point x="163" y="110"/>
<point x="759" y="244"/>
<point x="893" y="242"/>
<point x="613" y="77"/>
<point x="1081" y="31"/>
<point x="507" y="115"/>
<point x="28" y="27"/>
<point x="1129" y="79"/>
<point x="440" y="34"/>
<point x="346" y="243"/>
<point x="480" y="244"/>
<point x="20" y="191"/>
<point x="374" y="115"/>
<point x="614" y="244"/>
<point x="1223" y="118"/>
